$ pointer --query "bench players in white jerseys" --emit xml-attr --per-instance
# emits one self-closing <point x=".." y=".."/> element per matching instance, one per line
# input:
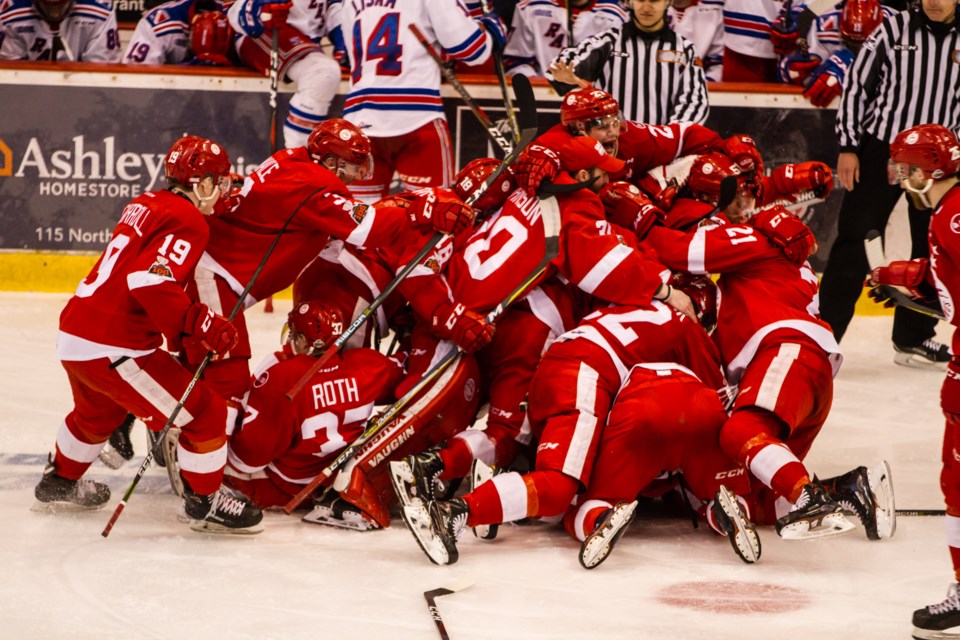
<point x="300" y="25"/>
<point x="62" y="30"/>
<point x="111" y="332"/>
<point x="181" y="31"/>
<point x="395" y="85"/>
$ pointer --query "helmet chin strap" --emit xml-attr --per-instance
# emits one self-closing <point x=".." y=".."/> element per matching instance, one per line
<point x="921" y="194"/>
<point x="213" y="196"/>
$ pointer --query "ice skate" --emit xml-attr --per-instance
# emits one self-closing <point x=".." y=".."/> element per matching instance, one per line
<point x="419" y="518"/>
<point x="416" y="476"/>
<point x="941" y="620"/>
<point x="868" y="495"/>
<point x="226" y="511"/>
<point x="480" y="473"/>
<point x="609" y="530"/>
<point x="56" y="493"/>
<point x="334" y="511"/>
<point x="929" y="354"/>
<point x="815" y="515"/>
<point x="728" y="515"/>
<point x="119" y="448"/>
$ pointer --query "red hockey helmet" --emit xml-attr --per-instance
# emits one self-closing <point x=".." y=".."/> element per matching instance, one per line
<point x="343" y="140"/>
<point x="858" y="20"/>
<point x="314" y="325"/>
<point x="192" y="158"/>
<point x="476" y="173"/>
<point x="710" y="178"/>
<point x="588" y="106"/>
<point x="210" y="37"/>
<point x="930" y="150"/>
<point x="703" y="293"/>
<point x="53" y="10"/>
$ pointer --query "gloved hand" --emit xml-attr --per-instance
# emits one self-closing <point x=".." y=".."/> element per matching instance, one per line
<point x="786" y="231"/>
<point x="797" y="67"/>
<point x="442" y="210"/>
<point x="827" y="82"/>
<point x="909" y="274"/>
<point x="493" y="25"/>
<point x="792" y="178"/>
<point x="258" y="15"/>
<point x="470" y="331"/>
<point x="784" y="34"/>
<point x="536" y="164"/>
<point x="629" y="207"/>
<point x="209" y="330"/>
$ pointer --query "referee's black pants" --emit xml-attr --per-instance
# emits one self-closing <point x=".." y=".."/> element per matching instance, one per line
<point x="868" y="207"/>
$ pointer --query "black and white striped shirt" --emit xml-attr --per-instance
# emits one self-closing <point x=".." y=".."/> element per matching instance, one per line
<point x="656" y="77"/>
<point x="907" y="73"/>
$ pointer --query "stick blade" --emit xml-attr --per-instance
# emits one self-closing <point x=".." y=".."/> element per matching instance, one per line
<point x="526" y="103"/>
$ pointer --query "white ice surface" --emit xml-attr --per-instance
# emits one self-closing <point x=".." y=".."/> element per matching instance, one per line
<point x="154" y="578"/>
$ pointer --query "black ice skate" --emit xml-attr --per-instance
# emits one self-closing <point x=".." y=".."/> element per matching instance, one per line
<point x="334" y="511"/>
<point x="727" y="515"/>
<point x="609" y="530"/>
<point x="56" y="493"/>
<point x="815" y="515"/>
<point x="941" y="620"/>
<point x="868" y="495"/>
<point x="417" y="476"/>
<point x="929" y="354"/>
<point x="119" y="448"/>
<point x="437" y="527"/>
<point x="226" y="511"/>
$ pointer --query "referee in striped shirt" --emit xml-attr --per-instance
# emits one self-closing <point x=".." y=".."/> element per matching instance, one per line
<point x="907" y="73"/>
<point x="653" y="73"/>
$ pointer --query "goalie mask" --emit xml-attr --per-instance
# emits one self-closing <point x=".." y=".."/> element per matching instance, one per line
<point x="191" y="159"/>
<point x="476" y="173"/>
<point x="53" y="11"/>
<point x="922" y="155"/>
<point x="313" y="326"/>
<point x="343" y="148"/>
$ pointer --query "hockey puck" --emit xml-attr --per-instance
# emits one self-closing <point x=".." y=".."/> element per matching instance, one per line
<point x="733" y="597"/>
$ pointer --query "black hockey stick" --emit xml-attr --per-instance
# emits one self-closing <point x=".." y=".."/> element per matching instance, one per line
<point x="493" y="131"/>
<point x="873" y="246"/>
<point x="152" y="453"/>
<point x="274" y="87"/>
<point x="921" y="512"/>
<point x="502" y="80"/>
<point x="431" y="598"/>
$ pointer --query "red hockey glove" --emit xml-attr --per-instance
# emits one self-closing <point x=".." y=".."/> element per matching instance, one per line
<point x="786" y="231"/>
<point x="789" y="179"/>
<point x="823" y="90"/>
<point x="797" y="68"/>
<point x="630" y="208"/>
<point x="909" y="274"/>
<point x="743" y="150"/>
<point x="784" y="35"/>
<point x="211" y="331"/>
<point x="274" y="15"/>
<point x="442" y="210"/>
<point x="536" y="164"/>
<point x="469" y="330"/>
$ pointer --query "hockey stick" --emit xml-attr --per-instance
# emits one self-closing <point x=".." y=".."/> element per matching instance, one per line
<point x="272" y="101"/>
<point x="525" y="98"/>
<point x="550" y="214"/>
<point x="151" y="454"/>
<point x="493" y="131"/>
<point x="431" y="598"/>
<point x="502" y="80"/>
<point x="921" y="512"/>
<point x="873" y="246"/>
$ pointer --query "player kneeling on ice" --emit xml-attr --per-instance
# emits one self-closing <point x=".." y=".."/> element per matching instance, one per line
<point x="282" y="444"/>
<point x="111" y="332"/>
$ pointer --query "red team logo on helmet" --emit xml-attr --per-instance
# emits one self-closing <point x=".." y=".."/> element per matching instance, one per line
<point x="192" y="158"/>
<point x="707" y="176"/>
<point x="339" y="138"/>
<point x="931" y="148"/>
<point x="476" y="173"/>
<point x="587" y="105"/>
<point x="319" y="324"/>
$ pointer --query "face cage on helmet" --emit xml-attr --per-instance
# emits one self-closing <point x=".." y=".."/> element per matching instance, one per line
<point x="362" y="171"/>
<point x="288" y="336"/>
<point x="221" y="186"/>
<point x="901" y="172"/>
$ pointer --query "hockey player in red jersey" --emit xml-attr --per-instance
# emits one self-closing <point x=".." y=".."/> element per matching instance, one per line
<point x="784" y="358"/>
<point x="282" y="444"/>
<point x="110" y="336"/>
<point x="299" y="197"/>
<point x="925" y="160"/>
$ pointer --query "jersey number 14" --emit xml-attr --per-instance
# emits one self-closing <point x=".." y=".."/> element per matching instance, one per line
<point x="383" y="45"/>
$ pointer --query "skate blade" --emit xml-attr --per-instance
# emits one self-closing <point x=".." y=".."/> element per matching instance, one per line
<point x="323" y="516"/>
<point x="417" y="519"/>
<point x="172" y="463"/>
<point x="204" y="526"/>
<point x="480" y="472"/>
<point x="63" y="507"/>
<point x="744" y="539"/>
<point x="401" y="477"/>
<point x="598" y="545"/>
<point x="831" y="525"/>
<point x="928" y="634"/>
<point x="913" y="361"/>
<point x="881" y="484"/>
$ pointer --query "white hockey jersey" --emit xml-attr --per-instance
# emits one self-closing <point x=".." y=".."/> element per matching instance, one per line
<point x="824" y="38"/>
<point x="540" y="30"/>
<point x="746" y="25"/>
<point x="162" y="35"/>
<point x="394" y="84"/>
<point x="88" y="33"/>
<point x="313" y="18"/>
<point x="702" y="24"/>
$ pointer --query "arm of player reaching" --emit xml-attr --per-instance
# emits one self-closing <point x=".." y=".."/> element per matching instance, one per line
<point x="710" y="249"/>
<point x="462" y="38"/>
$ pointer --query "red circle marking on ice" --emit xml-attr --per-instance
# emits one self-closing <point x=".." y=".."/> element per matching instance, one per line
<point x="733" y="597"/>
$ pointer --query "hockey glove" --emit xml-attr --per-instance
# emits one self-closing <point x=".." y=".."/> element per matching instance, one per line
<point x="786" y="231"/>
<point x="630" y="208"/>
<point x="470" y="331"/>
<point x="340" y="49"/>
<point x="827" y="81"/>
<point x="442" y="210"/>
<point x="798" y="67"/>
<point x="789" y="179"/>
<point x="258" y="15"/>
<point x="536" y="164"/>
<point x="909" y="274"/>
<point x="493" y="25"/>
<point x="784" y="35"/>
<point x="209" y="330"/>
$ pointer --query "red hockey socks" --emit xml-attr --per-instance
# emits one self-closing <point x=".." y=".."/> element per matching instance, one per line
<point x="750" y="438"/>
<point x="511" y="496"/>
